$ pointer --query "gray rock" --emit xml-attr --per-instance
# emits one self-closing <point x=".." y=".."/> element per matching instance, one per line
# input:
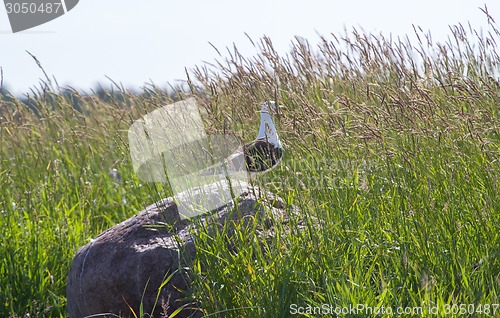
<point x="126" y="264"/>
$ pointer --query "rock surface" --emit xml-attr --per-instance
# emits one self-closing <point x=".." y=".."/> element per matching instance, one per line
<point x="127" y="263"/>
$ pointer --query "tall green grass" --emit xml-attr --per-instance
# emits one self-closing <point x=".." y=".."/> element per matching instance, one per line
<point x="56" y="191"/>
<point x="393" y="149"/>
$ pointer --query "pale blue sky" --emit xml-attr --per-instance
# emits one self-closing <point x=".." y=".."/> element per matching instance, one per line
<point x="134" y="42"/>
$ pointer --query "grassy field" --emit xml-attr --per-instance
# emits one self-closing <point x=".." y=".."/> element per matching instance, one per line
<point x="393" y="149"/>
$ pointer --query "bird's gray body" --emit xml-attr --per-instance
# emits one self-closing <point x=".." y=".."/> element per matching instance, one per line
<point x="261" y="155"/>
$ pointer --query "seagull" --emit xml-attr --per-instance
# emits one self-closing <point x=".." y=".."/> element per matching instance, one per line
<point x="266" y="151"/>
<point x="260" y="155"/>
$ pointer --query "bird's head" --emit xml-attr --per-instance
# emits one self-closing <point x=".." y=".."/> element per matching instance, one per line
<point x="269" y="106"/>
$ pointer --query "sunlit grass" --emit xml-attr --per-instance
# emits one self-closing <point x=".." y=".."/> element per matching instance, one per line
<point x="392" y="156"/>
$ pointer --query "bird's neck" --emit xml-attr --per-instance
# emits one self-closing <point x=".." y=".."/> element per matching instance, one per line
<point x="267" y="130"/>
